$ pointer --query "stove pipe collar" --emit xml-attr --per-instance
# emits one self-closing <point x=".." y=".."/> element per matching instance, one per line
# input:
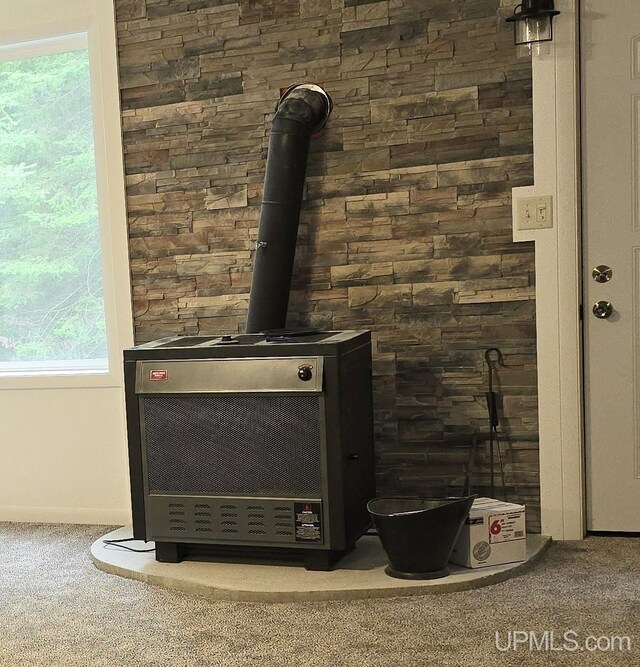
<point x="305" y="103"/>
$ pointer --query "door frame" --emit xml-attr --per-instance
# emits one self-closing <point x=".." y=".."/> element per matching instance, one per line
<point x="556" y="141"/>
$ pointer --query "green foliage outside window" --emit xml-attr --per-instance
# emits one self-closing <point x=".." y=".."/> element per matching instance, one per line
<point x="51" y="296"/>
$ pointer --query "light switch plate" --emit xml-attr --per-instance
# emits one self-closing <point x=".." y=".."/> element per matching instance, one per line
<point x="534" y="212"/>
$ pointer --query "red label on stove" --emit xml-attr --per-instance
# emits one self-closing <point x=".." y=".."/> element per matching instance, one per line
<point x="158" y="375"/>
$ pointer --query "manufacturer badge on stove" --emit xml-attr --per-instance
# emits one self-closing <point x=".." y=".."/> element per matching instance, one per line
<point x="158" y="375"/>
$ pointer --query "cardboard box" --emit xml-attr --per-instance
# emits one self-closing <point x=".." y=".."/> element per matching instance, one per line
<point x="493" y="534"/>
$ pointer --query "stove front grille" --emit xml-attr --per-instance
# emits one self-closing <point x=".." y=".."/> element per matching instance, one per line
<point x="233" y="444"/>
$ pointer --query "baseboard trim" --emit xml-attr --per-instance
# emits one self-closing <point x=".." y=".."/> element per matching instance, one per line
<point x="86" y="515"/>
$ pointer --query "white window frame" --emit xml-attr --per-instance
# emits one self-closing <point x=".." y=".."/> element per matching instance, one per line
<point x="67" y="25"/>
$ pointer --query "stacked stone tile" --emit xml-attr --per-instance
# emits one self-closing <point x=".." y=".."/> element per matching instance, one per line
<point x="406" y="224"/>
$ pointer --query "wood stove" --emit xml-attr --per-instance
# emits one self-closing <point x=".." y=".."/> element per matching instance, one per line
<point x="260" y="442"/>
<point x="251" y="445"/>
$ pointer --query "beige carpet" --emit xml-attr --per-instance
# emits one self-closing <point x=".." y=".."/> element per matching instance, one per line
<point x="58" y="610"/>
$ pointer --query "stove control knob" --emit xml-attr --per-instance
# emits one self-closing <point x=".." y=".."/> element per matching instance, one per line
<point x="305" y="373"/>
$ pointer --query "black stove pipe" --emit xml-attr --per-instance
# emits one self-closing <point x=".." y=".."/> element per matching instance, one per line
<point x="302" y="111"/>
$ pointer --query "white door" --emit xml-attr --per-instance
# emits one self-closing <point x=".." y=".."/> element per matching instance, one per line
<point x="610" y="53"/>
<point x="65" y="310"/>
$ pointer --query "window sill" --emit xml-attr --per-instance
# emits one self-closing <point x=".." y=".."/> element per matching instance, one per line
<point x="60" y="380"/>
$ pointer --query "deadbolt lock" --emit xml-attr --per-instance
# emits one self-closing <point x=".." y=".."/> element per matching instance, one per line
<point x="602" y="273"/>
<point x="602" y="309"/>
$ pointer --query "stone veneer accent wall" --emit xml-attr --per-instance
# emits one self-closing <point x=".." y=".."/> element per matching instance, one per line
<point x="406" y="227"/>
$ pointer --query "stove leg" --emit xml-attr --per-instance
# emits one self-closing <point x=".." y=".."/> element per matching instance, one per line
<point x="322" y="561"/>
<point x="169" y="552"/>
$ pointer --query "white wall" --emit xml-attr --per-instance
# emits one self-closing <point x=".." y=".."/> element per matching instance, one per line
<point x="62" y="438"/>
<point x="66" y="461"/>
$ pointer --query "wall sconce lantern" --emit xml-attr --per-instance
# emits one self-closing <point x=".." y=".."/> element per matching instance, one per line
<point x="533" y="23"/>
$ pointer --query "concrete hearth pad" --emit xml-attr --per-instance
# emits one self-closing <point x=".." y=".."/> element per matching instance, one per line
<point x="359" y="575"/>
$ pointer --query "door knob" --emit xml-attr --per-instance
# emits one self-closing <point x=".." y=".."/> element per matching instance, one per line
<point x="602" y="309"/>
<point x="602" y="273"/>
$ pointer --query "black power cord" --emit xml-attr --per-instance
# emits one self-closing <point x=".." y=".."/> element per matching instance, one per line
<point x="118" y="543"/>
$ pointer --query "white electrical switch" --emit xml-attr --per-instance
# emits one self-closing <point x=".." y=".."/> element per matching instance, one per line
<point x="541" y="213"/>
<point x="534" y="213"/>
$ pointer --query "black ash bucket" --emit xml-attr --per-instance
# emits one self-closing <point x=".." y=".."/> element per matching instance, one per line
<point x="418" y="534"/>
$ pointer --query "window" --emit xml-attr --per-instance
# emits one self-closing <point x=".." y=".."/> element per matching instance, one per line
<point x="52" y="313"/>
